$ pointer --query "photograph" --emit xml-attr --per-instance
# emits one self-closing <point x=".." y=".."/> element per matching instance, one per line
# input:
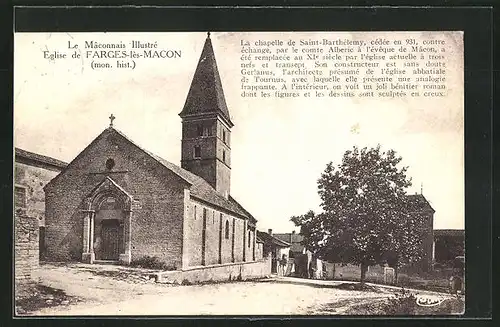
<point x="247" y="173"/>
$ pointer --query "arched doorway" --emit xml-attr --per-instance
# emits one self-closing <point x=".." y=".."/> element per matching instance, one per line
<point x="106" y="224"/>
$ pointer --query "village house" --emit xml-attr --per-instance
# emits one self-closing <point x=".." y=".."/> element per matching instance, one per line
<point x="117" y="202"/>
<point x="32" y="171"/>
<point x="273" y="247"/>
<point x="301" y="261"/>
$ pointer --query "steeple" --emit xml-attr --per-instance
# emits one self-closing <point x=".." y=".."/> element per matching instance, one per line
<point x="205" y="94"/>
<point x="206" y="125"/>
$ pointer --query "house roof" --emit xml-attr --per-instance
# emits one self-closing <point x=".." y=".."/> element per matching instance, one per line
<point x="270" y="239"/>
<point x="419" y="201"/>
<point x="38" y="158"/>
<point x="205" y="95"/>
<point x="294" y="239"/>
<point x="449" y="232"/>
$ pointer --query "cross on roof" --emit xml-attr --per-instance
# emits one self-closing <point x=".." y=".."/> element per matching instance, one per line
<point x="111" y="118"/>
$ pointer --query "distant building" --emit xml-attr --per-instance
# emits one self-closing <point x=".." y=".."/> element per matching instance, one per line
<point x="274" y="247"/>
<point x="295" y="241"/>
<point x="303" y="262"/>
<point x="448" y="244"/>
<point x="424" y="213"/>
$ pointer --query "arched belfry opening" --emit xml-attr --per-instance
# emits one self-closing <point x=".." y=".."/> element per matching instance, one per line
<point x="106" y="224"/>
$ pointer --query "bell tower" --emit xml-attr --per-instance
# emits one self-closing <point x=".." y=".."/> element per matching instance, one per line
<point x="206" y="125"/>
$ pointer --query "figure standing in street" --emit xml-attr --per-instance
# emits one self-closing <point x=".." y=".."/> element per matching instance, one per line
<point x="282" y="267"/>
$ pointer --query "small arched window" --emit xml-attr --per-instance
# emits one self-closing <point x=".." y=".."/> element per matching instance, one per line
<point x="223" y="155"/>
<point x="227" y="230"/>
<point x="110" y="163"/>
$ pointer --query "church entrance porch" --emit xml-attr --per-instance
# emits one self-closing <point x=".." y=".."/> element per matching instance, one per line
<point x="106" y="224"/>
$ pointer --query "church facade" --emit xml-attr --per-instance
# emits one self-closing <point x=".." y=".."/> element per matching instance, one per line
<point x="118" y="202"/>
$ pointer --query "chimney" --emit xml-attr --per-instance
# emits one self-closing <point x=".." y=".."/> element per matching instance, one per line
<point x="270" y="231"/>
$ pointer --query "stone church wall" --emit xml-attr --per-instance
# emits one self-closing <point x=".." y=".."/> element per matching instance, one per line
<point x="239" y="232"/>
<point x="194" y="230"/>
<point x="157" y="194"/>
<point x="194" y="225"/>
<point x="212" y="237"/>
<point x="25" y="246"/>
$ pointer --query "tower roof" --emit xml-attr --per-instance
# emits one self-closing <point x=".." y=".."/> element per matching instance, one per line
<point x="205" y="94"/>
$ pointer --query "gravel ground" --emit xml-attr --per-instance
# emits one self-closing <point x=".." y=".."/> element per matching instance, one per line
<point x="115" y="290"/>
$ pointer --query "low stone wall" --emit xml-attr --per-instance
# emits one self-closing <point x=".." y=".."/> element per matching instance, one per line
<point x="26" y="256"/>
<point x="216" y="273"/>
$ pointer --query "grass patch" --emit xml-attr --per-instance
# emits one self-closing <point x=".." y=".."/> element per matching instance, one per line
<point x="149" y="262"/>
<point x="330" y="308"/>
<point x="404" y="303"/>
<point x="34" y="296"/>
<point x="358" y="287"/>
<point x="186" y="282"/>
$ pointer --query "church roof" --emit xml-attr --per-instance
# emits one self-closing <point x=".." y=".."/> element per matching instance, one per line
<point x="200" y="188"/>
<point x="252" y="218"/>
<point x="205" y="94"/>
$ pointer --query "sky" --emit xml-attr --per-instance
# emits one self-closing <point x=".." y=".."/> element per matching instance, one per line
<point x="279" y="147"/>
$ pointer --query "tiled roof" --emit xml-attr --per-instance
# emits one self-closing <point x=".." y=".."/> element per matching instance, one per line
<point x="294" y="239"/>
<point x="205" y="94"/>
<point x="199" y="187"/>
<point x="449" y="232"/>
<point x="20" y="153"/>
<point x="266" y="238"/>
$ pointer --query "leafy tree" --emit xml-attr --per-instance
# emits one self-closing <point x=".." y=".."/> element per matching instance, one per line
<point x="408" y="230"/>
<point x="365" y="211"/>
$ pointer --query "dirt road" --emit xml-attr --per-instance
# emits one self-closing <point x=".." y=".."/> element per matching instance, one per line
<point x="108" y="290"/>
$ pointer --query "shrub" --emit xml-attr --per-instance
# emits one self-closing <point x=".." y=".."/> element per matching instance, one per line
<point x="186" y="282"/>
<point x="151" y="263"/>
<point x="403" y="303"/>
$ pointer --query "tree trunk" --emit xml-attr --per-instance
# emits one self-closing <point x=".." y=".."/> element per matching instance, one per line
<point x="396" y="270"/>
<point x="364" y="268"/>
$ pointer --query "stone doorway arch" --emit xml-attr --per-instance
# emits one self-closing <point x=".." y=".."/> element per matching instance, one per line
<point x="106" y="224"/>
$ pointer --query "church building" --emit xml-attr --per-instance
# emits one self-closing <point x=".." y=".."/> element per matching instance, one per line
<point x="117" y="202"/>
